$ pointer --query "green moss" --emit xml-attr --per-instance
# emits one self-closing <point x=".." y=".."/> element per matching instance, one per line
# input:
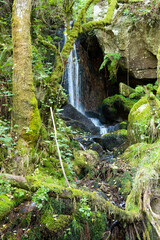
<point x="123" y="125"/>
<point x="26" y="220"/>
<point x="120" y="132"/>
<point x="143" y="120"/>
<point x="125" y="90"/>
<point x="112" y="101"/>
<point x="55" y="223"/>
<point x="158" y="71"/>
<point x="6" y="204"/>
<point x="84" y="161"/>
<point x="35" y="123"/>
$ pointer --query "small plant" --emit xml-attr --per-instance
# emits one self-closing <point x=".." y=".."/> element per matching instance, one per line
<point x="40" y="196"/>
<point x="85" y="209"/>
<point x="5" y="186"/>
<point x="67" y="233"/>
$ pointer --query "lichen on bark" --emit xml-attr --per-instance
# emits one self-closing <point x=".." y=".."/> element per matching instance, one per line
<point x="25" y="113"/>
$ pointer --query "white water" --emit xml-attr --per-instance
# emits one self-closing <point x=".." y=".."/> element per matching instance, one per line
<point x="74" y="85"/>
<point x="72" y="77"/>
<point x="103" y="128"/>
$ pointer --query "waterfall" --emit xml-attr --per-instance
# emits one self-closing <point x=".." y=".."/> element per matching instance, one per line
<point x="72" y="83"/>
<point x="72" y="79"/>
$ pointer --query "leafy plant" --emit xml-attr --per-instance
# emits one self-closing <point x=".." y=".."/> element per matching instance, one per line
<point x="40" y="196"/>
<point x="5" y="186"/>
<point x="5" y="137"/>
<point x="85" y="209"/>
<point x="111" y="59"/>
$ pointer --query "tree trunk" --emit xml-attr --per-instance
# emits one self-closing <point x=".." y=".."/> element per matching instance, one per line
<point x="25" y="113"/>
<point x="158" y="71"/>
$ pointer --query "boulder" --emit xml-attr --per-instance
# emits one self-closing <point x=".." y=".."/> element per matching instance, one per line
<point x="116" y="108"/>
<point x="84" y="161"/>
<point x="144" y="123"/>
<point x="74" y="118"/>
<point x="125" y="90"/>
<point x="113" y="140"/>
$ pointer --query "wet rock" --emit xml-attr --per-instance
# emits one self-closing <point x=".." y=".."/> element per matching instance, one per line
<point x="116" y="108"/>
<point x="112" y="140"/>
<point x="74" y="118"/>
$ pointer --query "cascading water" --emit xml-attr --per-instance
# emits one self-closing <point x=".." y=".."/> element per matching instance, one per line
<point x="72" y="78"/>
<point x="73" y="86"/>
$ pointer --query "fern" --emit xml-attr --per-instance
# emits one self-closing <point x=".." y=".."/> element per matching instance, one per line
<point x="112" y="59"/>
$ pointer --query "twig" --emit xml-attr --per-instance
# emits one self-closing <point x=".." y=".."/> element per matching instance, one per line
<point x="59" y="153"/>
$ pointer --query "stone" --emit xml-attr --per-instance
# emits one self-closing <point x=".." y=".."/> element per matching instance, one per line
<point x="84" y="161"/>
<point x="116" y="108"/>
<point x="144" y="120"/>
<point x="112" y="140"/>
<point x="125" y="90"/>
<point x="135" y="41"/>
<point x="74" y="118"/>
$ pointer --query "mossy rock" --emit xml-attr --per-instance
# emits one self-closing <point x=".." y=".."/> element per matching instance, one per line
<point x="116" y="107"/>
<point x="123" y="125"/>
<point x="138" y="93"/>
<point x="55" y="223"/>
<point x="7" y="203"/>
<point x="113" y="140"/>
<point x="125" y="90"/>
<point x="84" y="161"/>
<point x="144" y="120"/>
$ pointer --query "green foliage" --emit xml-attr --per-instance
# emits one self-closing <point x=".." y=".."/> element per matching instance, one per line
<point x="5" y="137"/>
<point x="78" y="5"/>
<point x="126" y="183"/>
<point x="85" y="210"/>
<point x="40" y="196"/>
<point x="139" y="12"/>
<point x="5" y="186"/>
<point x="111" y="59"/>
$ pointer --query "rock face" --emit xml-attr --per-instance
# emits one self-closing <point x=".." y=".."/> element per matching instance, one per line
<point x="136" y="41"/>
<point x="94" y="82"/>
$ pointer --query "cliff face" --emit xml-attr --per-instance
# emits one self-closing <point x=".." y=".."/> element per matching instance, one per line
<point x="135" y="34"/>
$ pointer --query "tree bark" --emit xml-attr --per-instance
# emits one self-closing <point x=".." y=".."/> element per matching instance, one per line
<point x="25" y="113"/>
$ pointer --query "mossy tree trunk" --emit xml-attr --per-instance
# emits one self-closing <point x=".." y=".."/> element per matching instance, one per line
<point x="25" y="113"/>
<point x="158" y="71"/>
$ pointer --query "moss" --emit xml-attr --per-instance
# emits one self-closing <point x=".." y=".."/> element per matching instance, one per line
<point x="110" y="101"/>
<point x="125" y="90"/>
<point x="35" y="122"/>
<point x="6" y="205"/>
<point x="143" y="120"/>
<point x="123" y="125"/>
<point x="158" y="71"/>
<point x="55" y="223"/>
<point x="84" y="161"/>
<point x="97" y="225"/>
<point x="126" y="183"/>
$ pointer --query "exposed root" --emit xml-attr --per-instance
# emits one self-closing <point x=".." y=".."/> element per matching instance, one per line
<point x="153" y="217"/>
